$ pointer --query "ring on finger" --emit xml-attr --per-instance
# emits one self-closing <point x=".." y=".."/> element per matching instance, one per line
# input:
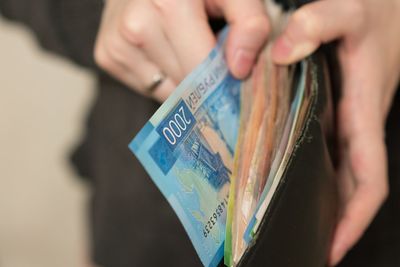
<point x="157" y="80"/>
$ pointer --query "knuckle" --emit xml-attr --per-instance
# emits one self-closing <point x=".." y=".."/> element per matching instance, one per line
<point x="359" y="163"/>
<point x="116" y="51"/>
<point x="308" y="22"/>
<point x="258" y="25"/>
<point x="108" y="53"/>
<point x="355" y="7"/>
<point x="133" y="30"/>
<point x="165" y="6"/>
<point x="100" y="56"/>
<point x="376" y="183"/>
<point x="357" y="11"/>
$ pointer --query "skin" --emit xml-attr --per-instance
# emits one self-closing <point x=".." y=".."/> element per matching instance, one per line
<point x="369" y="53"/>
<point x="140" y="38"/>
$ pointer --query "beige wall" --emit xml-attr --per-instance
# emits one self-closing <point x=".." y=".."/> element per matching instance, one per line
<point x="42" y="203"/>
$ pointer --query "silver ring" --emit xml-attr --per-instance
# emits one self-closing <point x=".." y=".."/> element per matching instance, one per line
<point x="157" y="79"/>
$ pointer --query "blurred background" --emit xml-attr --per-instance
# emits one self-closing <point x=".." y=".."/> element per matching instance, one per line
<point x="42" y="202"/>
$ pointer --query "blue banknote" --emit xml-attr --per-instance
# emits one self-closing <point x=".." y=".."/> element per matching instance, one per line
<point x="187" y="148"/>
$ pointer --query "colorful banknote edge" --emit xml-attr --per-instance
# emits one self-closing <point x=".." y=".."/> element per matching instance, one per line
<point x="280" y="162"/>
<point x="190" y="170"/>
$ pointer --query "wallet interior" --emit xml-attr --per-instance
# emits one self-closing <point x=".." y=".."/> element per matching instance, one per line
<point x="298" y="226"/>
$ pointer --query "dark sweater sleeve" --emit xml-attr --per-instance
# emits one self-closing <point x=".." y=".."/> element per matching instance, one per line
<point x="66" y="27"/>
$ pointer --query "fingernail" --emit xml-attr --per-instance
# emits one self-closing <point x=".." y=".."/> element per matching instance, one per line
<point x="281" y="50"/>
<point x="337" y="252"/>
<point x="286" y="52"/>
<point x="242" y="63"/>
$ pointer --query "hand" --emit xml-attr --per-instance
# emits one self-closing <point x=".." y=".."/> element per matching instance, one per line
<point x="369" y="52"/>
<point x="140" y="40"/>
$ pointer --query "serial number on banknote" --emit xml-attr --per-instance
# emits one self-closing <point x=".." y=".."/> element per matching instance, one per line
<point x="219" y="211"/>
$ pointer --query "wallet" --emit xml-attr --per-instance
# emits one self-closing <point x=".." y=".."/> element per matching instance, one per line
<point x="297" y="228"/>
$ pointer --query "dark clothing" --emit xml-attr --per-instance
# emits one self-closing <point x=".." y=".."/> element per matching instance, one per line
<point x="131" y="223"/>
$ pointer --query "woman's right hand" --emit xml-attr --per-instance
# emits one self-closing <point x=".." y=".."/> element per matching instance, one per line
<point x="140" y="41"/>
<point x="368" y="38"/>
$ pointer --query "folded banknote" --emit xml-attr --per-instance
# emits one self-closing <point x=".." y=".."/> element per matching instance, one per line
<point x="221" y="188"/>
<point x="187" y="148"/>
<point x="218" y="147"/>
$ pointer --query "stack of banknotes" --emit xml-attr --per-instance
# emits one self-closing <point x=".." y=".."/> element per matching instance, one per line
<point x="218" y="147"/>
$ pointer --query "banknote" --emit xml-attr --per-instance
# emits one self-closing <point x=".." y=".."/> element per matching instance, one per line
<point x="218" y="147"/>
<point x="290" y="134"/>
<point x="260" y="134"/>
<point x="187" y="148"/>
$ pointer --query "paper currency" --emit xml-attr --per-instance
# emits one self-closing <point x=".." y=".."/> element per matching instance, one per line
<point x="257" y="147"/>
<point x="187" y="148"/>
<point x="291" y="132"/>
<point x="218" y="147"/>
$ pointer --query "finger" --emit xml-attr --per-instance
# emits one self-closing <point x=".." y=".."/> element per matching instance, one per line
<point x="164" y="90"/>
<point x="187" y="29"/>
<point x="314" y="24"/>
<point x="130" y="65"/>
<point x="369" y="195"/>
<point x="141" y="28"/>
<point x="361" y="125"/>
<point x="249" y="28"/>
<point x="346" y="180"/>
<point x="365" y="188"/>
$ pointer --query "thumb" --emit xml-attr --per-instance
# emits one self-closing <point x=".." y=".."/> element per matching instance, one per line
<point x="249" y="28"/>
<point x="315" y="24"/>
